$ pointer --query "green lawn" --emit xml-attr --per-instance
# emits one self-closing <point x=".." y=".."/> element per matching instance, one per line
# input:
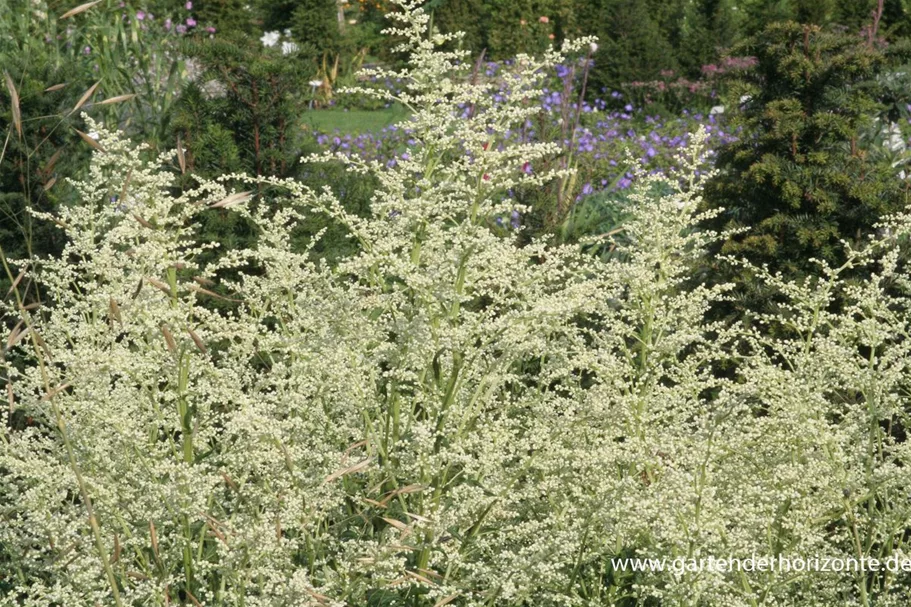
<point x="354" y="121"/>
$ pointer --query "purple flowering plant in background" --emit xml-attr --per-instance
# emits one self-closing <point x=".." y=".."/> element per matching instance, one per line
<point x="603" y="137"/>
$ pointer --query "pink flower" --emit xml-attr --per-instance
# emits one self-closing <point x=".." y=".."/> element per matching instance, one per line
<point x="181" y="29"/>
<point x="191" y="22"/>
<point x="210" y="29"/>
<point x="140" y="16"/>
<point x="167" y="25"/>
<point x="188" y="6"/>
<point x="543" y="19"/>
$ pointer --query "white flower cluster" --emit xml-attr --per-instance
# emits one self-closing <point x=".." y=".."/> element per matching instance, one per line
<point x="270" y="39"/>
<point x="446" y="417"/>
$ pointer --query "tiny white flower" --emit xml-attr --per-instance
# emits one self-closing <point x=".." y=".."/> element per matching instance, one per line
<point x="718" y="109"/>
<point x="316" y="83"/>
<point x="594" y="47"/>
<point x="93" y="135"/>
<point x="288" y="48"/>
<point x="270" y="38"/>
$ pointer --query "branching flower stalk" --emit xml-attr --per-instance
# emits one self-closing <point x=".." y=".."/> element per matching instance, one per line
<point x="446" y="416"/>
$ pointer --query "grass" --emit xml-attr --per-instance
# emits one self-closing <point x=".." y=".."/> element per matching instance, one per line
<point x="354" y="121"/>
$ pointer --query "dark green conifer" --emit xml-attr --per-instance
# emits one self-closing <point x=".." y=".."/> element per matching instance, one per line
<point x="810" y="167"/>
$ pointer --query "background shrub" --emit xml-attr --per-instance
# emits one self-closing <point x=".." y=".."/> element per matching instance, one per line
<point x="812" y="166"/>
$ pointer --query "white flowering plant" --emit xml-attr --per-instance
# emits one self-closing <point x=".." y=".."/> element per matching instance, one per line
<point x="448" y="416"/>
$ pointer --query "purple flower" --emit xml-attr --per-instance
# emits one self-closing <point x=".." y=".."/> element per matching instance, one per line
<point x="87" y="50"/>
<point x="167" y="25"/>
<point x="181" y="29"/>
<point x="140" y="16"/>
<point x="191" y="22"/>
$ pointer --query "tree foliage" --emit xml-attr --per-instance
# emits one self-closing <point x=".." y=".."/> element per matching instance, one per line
<point x="810" y="167"/>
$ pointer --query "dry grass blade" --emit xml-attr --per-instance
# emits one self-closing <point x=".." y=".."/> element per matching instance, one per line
<point x="181" y="159"/>
<point x="321" y="599"/>
<point x="79" y="9"/>
<point x="52" y="161"/>
<point x="116" y="99"/>
<point x="232" y="200"/>
<point x="204" y="281"/>
<point x="229" y="482"/>
<point x="126" y="184"/>
<point x="420" y="578"/>
<point x="56" y="87"/>
<point x="143" y="222"/>
<point x="430" y="574"/>
<point x="169" y="338"/>
<point x="49" y="184"/>
<point x="16" y="283"/>
<point x="85" y="97"/>
<point x="14" y="102"/>
<point x="159" y="285"/>
<point x="446" y="600"/>
<point x="197" y="340"/>
<point x="418" y="517"/>
<point x="41" y="343"/>
<point x="352" y="447"/>
<point x="54" y="392"/>
<point x="414" y="488"/>
<point x="15" y="335"/>
<point x="217" y="533"/>
<point x="396" y="523"/>
<point x="350" y="470"/>
<point x="94" y="144"/>
<point x="114" y="311"/>
<point x="154" y="537"/>
<point x="117" y="549"/>
<point x="211" y="294"/>
<point x="373" y="502"/>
